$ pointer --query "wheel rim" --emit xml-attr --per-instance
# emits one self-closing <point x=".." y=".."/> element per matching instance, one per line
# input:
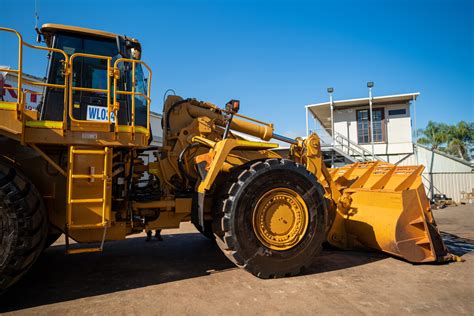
<point x="280" y="219"/>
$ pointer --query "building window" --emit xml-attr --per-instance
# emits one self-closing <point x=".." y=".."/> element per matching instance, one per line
<point x="363" y="126"/>
<point x="397" y="112"/>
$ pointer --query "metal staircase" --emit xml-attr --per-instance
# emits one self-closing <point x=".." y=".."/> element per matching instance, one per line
<point x="357" y="152"/>
<point x="342" y="151"/>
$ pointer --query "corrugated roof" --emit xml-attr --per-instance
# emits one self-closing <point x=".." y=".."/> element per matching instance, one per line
<point x="442" y="153"/>
<point x="156" y="114"/>
<point x="365" y="101"/>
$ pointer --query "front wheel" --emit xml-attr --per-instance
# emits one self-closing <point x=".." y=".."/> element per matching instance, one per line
<point x="273" y="218"/>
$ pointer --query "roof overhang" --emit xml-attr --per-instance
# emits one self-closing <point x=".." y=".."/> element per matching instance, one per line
<point x="156" y="114"/>
<point x="50" y="29"/>
<point x="322" y="111"/>
<point x="53" y="28"/>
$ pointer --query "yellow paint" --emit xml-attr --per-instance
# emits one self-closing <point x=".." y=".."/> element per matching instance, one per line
<point x="376" y="205"/>
<point x="280" y="219"/>
<point x="11" y="106"/>
<point x="127" y="129"/>
<point x="222" y="149"/>
<point x="44" y="124"/>
<point x="88" y="202"/>
<point x="83" y="250"/>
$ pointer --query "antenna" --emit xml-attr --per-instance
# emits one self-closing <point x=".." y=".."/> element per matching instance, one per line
<point x="38" y="32"/>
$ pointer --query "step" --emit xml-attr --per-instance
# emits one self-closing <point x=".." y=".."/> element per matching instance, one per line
<point x="77" y="201"/>
<point x="89" y="151"/>
<point x="88" y="176"/>
<point x="76" y="251"/>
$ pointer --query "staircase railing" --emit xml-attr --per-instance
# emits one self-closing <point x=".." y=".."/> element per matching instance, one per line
<point x="354" y="149"/>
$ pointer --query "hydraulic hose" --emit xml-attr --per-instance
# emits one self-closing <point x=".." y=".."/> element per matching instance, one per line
<point x="172" y="107"/>
<point x="181" y="161"/>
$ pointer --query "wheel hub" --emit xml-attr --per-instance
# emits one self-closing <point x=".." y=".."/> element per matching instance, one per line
<point x="280" y="219"/>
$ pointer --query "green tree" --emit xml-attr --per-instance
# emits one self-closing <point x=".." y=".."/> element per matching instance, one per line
<point x="434" y="135"/>
<point x="460" y="139"/>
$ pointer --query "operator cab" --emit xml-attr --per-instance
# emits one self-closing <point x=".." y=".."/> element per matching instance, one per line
<point x="89" y="74"/>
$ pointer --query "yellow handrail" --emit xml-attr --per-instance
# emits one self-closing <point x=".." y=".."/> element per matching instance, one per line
<point x="132" y="93"/>
<point x="71" y="88"/>
<point x="51" y="85"/>
<point x="19" y="72"/>
<point x="67" y="86"/>
<point x="9" y="70"/>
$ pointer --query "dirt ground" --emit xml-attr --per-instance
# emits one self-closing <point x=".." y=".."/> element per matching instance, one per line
<point x="187" y="274"/>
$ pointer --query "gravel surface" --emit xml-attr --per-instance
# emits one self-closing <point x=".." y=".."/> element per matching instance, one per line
<point x="187" y="274"/>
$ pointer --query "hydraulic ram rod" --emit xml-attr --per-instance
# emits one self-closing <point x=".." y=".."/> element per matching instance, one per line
<point x="262" y="131"/>
<point x="284" y="139"/>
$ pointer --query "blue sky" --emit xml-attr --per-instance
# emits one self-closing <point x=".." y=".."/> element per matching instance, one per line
<point x="277" y="56"/>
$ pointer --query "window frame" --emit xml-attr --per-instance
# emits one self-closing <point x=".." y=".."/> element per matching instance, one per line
<point x="384" y="125"/>
<point x="397" y="114"/>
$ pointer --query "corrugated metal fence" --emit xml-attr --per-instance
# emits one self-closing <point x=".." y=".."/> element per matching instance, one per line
<point x="450" y="183"/>
<point x="450" y="175"/>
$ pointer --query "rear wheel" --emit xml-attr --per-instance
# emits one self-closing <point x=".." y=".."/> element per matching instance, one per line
<point x="273" y="218"/>
<point x="23" y="225"/>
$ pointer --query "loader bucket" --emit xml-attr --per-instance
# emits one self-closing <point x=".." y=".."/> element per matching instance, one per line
<point x="389" y="211"/>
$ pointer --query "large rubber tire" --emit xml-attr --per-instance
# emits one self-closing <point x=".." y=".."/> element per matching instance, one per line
<point x="23" y="225"/>
<point x="233" y="222"/>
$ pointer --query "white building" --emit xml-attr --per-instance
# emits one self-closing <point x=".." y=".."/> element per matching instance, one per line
<point x="387" y="129"/>
<point x="156" y="129"/>
<point x="9" y="93"/>
<point x="353" y="130"/>
<point x="157" y="134"/>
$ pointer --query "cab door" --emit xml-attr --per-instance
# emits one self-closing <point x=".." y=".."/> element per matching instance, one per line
<point x="88" y="74"/>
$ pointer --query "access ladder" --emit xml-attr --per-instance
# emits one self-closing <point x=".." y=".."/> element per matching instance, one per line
<point x="84" y="211"/>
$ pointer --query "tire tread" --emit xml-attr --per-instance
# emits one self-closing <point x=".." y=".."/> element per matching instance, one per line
<point x="24" y="203"/>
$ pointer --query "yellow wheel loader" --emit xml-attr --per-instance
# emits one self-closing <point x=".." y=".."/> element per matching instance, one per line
<point x="76" y="166"/>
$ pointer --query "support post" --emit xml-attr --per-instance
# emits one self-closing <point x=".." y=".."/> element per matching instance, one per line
<point x="331" y="104"/>
<point x="370" y="85"/>
<point x="415" y="134"/>
<point x="414" y="119"/>
<point x="307" y="122"/>
<point x="332" y="118"/>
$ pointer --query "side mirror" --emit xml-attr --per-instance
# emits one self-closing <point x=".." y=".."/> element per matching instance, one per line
<point x="233" y="106"/>
<point x="38" y="35"/>
<point x="121" y="46"/>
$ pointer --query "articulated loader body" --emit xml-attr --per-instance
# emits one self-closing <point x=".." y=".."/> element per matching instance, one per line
<point x="76" y="166"/>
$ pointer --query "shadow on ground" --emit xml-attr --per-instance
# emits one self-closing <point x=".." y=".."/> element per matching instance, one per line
<point x="132" y="264"/>
<point x="457" y="245"/>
